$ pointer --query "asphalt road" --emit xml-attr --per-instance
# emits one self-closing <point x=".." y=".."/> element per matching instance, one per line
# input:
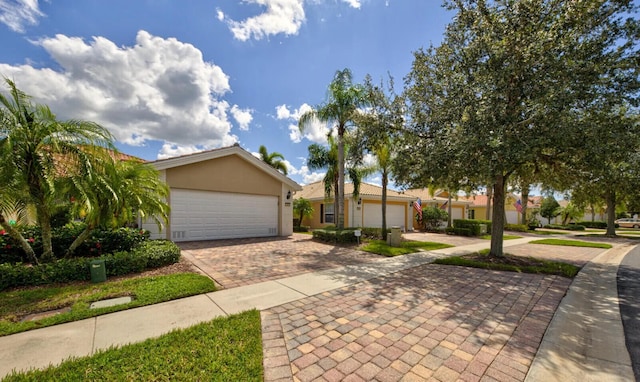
<point x="629" y="295"/>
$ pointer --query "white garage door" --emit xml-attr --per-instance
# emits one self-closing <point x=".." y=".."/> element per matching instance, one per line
<point x="373" y="215"/>
<point x="203" y="215"/>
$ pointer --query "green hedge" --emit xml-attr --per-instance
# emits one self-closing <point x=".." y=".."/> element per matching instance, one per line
<point x="101" y="241"/>
<point x="570" y="227"/>
<point x="458" y="231"/>
<point x="473" y="226"/>
<point x="516" y="227"/>
<point x="594" y="224"/>
<point x="334" y="236"/>
<point x="150" y="254"/>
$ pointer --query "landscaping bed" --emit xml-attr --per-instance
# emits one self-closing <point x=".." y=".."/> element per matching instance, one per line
<point x="30" y="308"/>
<point x="511" y="263"/>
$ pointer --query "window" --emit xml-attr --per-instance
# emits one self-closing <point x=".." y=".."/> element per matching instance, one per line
<point x="471" y="214"/>
<point x="326" y="213"/>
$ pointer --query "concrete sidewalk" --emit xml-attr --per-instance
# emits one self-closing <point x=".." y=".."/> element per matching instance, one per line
<point x="585" y="340"/>
<point x="39" y="348"/>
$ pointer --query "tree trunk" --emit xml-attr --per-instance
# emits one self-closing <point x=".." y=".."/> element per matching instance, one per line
<point x="44" y="220"/>
<point x="449" y="220"/>
<point x="525" y="203"/>
<point x="611" y="213"/>
<point x="385" y="181"/>
<point x="340" y="193"/>
<point x="497" y="225"/>
<point x="84" y="235"/>
<point x="17" y="236"/>
<point x="489" y="196"/>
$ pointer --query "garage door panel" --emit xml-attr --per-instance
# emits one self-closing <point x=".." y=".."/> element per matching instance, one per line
<point x="372" y="215"/>
<point x="202" y="215"/>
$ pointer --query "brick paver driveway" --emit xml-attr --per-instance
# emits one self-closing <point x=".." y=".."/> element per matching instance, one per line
<point x="238" y="262"/>
<point x="433" y="322"/>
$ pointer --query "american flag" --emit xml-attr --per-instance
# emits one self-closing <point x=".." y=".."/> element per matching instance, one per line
<point x="518" y="206"/>
<point x="418" y="207"/>
<point x="444" y="206"/>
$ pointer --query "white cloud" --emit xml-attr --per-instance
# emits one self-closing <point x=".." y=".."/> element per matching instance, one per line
<point x="159" y="89"/>
<point x="243" y="117"/>
<point x="219" y="14"/>
<point x="16" y="13"/>
<point x="316" y="131"/>
<point x="282" y="112"/>
<point x="280" y="16"/>
<point x="308" y="176"/>
<point x="353" y="3"/>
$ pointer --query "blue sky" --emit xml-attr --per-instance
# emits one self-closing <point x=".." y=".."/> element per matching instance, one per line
<point x="174" y="77"/>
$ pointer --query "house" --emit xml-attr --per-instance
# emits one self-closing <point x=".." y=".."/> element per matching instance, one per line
<point x="363" y="211"/>
<point x="439" y="199"/>
<point x="224" y="193"/>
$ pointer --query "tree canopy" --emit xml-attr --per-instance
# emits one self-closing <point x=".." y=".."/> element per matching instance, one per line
<point x="507" y="87"/>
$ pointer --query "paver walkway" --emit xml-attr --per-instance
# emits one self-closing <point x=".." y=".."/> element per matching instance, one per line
<point x="430" y="322"/>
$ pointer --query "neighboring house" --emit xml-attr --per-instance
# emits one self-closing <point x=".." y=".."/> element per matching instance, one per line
<point x="224" y="193"/>
<point x="439" y="199"/>
<point x="364" y="211"/>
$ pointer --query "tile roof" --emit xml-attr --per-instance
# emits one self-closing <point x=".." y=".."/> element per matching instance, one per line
<point x="316" y="191"/>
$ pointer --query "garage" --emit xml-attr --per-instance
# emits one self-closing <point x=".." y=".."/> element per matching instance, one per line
<point x="372" y="215"/>
<point x="203" y="215"/>
<point x="225" y="193"/>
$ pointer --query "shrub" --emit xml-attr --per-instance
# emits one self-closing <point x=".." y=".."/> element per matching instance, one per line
<point x="594" y="224"/>
<point x="151" y="254"/>
<point x="335" y="236"/>
<point x="516" y="227"/>
<point x="101" y="241"/>
<point x="301" y="228"/>
<point x="464" y="231"/>
<point x="571" y="227"/>
<point x="433" y="217"/>
<point x="473" y="226"/>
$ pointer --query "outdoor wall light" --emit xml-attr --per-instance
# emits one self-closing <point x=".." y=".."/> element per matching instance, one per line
<point x="288" y="194"/>
<point x="359" y="201"/>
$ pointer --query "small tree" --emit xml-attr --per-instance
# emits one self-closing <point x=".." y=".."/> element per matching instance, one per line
<point x="302" y="207"/>
<point x="433" y="217"/>
<point x="549" y="208"/>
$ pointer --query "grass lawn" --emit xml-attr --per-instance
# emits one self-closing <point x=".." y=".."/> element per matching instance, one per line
<point x="547" y="233"/>
<point x="512" y="264"/>
<point x="16" y="304"/>
<point x="381" y="247"/>
<point x="571" y="243"/>
<point x="224" y="349"/>
<point x="504" y="237"/>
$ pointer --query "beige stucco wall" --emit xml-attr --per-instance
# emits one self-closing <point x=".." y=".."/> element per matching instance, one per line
<point x="226" y="174"/>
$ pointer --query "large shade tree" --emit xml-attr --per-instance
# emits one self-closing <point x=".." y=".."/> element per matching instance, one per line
<point x="344" y="98"/>
<point x="504" y="89"/>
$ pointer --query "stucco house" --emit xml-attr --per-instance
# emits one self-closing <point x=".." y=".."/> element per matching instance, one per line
<point x="363" y="211"/>
<point x="439" y="199"/>
<point x="224" y="193"/>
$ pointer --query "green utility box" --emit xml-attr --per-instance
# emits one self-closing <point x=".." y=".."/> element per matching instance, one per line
<point x="98" y="271"/>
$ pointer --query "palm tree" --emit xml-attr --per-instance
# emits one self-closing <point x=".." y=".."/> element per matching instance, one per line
<point x="344" y="100"/>
<point x="275" y="159"/>
<point x="36" y="150"/>
<point x="127" y="189"/>
<point x="321" y="157"/>
<point x="303" y="208"/>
